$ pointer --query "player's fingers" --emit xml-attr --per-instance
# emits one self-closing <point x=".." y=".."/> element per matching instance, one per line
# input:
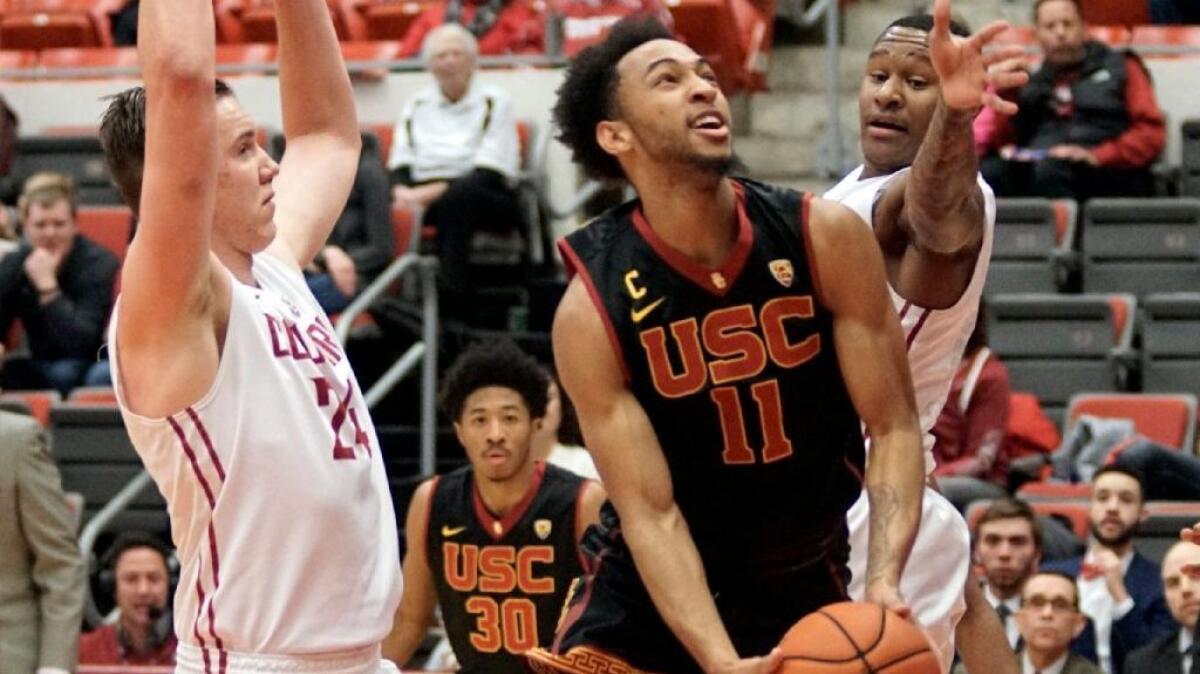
<point x="1191" y="535"/>
<point x="1003" y="81"/>
<point x="1008" y="52"/>
<point x="1000" y="105"/>
<point x="989" y="33"/>
<point x="941" y="20"/>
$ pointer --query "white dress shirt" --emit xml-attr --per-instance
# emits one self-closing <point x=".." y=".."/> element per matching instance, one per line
<point x="1055" y="667"/>
<point x="1185" y="647"/>
<point x="1010" y="625"/>
<point x="1096" y="603"/>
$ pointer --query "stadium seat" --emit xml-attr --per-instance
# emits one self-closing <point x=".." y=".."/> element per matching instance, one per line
<point x="1054" y="491"/>
<point x="103" y="396"/>
<point x="17" y="59"/>
<point x="1166" y="40"/>
<point x="383" y="134"/>
<point x="44" y="24"/>
<point x="730" y="34"/>
<point x="254" y="21"/>
<point x="1160" y="530"/>
<point x="88" y="57"/>
<point x="388" y="20"/>
<point x="108" y="226"/>
<point x="37" y="403"/>
<point x="1073" y="513"/>
<point x="1141" y="246"/>
<point x="1115" y="12"/>
<point x="1057" y="345"/>
<point x="1191" y="157"/>
<point x="232" y="55"/>
<point x="1032" y="247"/>
<point x="370" y="50"/>
<point x="1170" y="347"/>
<point x="80" y="157"/>
<point x="1168" y="419"/>
<point x="1113" y="36"/>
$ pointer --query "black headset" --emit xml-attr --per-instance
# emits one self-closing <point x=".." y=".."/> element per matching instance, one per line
<point x="108" y="575"/>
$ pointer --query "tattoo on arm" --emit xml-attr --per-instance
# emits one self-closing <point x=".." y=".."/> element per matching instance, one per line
<point x="885" y="506"/>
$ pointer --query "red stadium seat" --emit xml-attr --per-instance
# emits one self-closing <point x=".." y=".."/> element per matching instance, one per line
<point x="108" y="226"/>
<point x="1066" y="214"/>
<point x="1188" y="36"/>
<point x="389" y="20"/>
<point x="1060" y="491"/>
<point x="731" y="34"/>
<point x="255" y="20"/>
<point x="38" y="403"/>
<point x="88" y="57"/>
<point x="403" y="221"/>
<point x="1074" y="512"/>
<point x="93" y="395"/>
<point x="1168" y="419"/>
<point x="245" y="54"/>
<point x="370" y="50"/>
<point x="1113" y="36"/>
<point x="42" y="30"/>
<point x="383" y="133"/>
<point x="15" y="59"/>
<point x="1116" y="12"/>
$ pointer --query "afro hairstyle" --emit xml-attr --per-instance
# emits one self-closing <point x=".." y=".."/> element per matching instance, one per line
<point x="588" y="94"/>
<point x="494" y="363"/>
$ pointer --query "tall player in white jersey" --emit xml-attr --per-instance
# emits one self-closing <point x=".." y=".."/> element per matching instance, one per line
<point x="933" y="216"/>
<point x="235" y="393"/>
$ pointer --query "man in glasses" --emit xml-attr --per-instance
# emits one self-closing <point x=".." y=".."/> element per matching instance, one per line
<point x="1049" y="619"/>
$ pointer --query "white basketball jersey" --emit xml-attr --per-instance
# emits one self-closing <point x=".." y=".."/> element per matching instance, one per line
<point x="935" y="338"/>
<point x="279" y="505"/>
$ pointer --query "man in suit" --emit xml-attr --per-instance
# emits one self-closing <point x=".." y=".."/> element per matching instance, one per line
<point x="1119" y="589"/>
<point x="1173" y="653"/>
<point x="1008" y="545"/>
<point x="1049" y="619"/>
<point x="41" y="570"/>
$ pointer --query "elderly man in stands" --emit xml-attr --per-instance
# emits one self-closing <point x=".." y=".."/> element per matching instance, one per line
<point x="1119" y="588"/>
<point x="1088" y="125"/>
<point x="139" y="566"/>
<point x="59" y="285"/>
<point x="1174" y="653"/>
<point x="455" y="154"/>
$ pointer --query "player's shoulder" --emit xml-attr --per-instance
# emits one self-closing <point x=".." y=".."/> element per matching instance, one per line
<point x="602" y="231"/>
<point x="557" y="475"/>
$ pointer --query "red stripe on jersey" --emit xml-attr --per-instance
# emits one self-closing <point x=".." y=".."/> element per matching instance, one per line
<point x="904" y="310"/>
<point x="489" y="521"/>
<point x="576" y="266"/>
<point x="216" y="583"/>
<point x="912" y="336"/>
<point x="212" y="454"/>
<point x="187" y="449"/>
<point x="196" y="623"/>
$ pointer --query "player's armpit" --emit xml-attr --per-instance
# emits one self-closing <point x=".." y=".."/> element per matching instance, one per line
<point x="591" y="497"/>
<point x="414" y="615"/>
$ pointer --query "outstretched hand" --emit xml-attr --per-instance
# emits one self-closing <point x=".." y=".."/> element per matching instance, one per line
<point x="967" y="78"/>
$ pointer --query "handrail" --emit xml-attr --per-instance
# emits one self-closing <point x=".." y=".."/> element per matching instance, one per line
<point x="98" y="524"/>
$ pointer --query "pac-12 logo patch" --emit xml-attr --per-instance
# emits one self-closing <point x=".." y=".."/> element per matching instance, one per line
<point x="782" y="271"/>
<point x="542" y="528"/>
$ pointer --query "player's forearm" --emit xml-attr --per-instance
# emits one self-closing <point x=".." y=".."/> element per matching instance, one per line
<point x="176" y="42"/>
<point x="895" y="487"/>
<point x="981" y="639"/>
<point x="313" y="82"/>
<point x="670" y="566"/>
<point x="403" y="641"/>
<point x="942" y="183"/>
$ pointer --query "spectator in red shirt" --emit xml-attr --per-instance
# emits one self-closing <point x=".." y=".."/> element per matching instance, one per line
<point x="142" y="633"/>
<point x="970" y="430"/>
<point x="500" y="26"/>
<point x="1088" y="123"/>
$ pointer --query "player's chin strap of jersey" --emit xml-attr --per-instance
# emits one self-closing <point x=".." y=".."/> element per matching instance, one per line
<point x="162" y="622"/>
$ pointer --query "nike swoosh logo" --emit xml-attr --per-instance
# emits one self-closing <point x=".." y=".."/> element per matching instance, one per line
<point x="447" y="532"/>
<point x="638" y="314"/>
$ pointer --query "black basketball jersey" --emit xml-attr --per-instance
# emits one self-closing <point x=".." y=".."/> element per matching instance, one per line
<point x="737" y="371"/>
<point x="501" y="583"/>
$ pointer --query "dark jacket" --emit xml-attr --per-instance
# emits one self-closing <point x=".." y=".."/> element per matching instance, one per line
<point x="1160" y="656"/>
<point x="72" y="325"/>
<point x="1097" y="110"/>
<point x="1146" y="621"/>
<point x="364" y="229"/>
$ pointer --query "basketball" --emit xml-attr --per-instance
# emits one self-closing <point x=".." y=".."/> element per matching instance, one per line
<point x="856" y="638"/>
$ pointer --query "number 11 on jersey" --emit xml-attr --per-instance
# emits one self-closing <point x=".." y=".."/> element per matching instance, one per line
<point x="776" y="444"/>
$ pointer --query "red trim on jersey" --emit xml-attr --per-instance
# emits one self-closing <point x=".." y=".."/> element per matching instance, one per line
<point x="489" y="521"/>
<point x="695" y="272"/>
<point x="191" y="455"/>
<point x="912" y="336"/>
<point x="196" y="624"/>
<point x="433" y="483"/>
<point x="904" y="310"/>
<point x="854" y="469"/>
<point x="575" y="266"/>
<point x="583" y="563"/>
<point x="806" y="236"/>
<point x="212" y="454"/>
<point x="577" y="610"/>
<point x="216" y="583"/>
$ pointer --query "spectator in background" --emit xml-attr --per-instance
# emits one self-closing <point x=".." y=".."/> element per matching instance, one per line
<point x="41" y="570"/>
<point x="970" y="430"/>
<point x="139" y="566"/>
<point x="559" y="441"/>
<point x="1170" y="474"/>
<point x="1119" y="588"/>
<point x="1088" y="124"/>
<point x="1174" y="11"/>
<point x="586" y="22"/>
<point x="500" y="26"/>
<point x="59" y="285"/>
<point x="1049" y="618"/>
<point x="1173" y="653"/>
<point x="1008" y="545"/>
<point x="360" y="246"/>
<point x="455" y="154"/>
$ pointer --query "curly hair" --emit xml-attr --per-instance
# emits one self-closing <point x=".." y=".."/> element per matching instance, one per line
<point x="588" y="94"/>
<point x="494" y="363"/>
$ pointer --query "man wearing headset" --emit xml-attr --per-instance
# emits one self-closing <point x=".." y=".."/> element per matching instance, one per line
<point x="137" y="569"/>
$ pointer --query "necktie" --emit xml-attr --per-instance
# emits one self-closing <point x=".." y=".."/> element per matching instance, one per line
<point x="1003" y="612"/>
<point x="1195" y="660"/>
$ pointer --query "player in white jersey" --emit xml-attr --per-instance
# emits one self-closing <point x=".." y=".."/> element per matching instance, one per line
<point x="237" y="397"/>
<point x="933" y="217"/>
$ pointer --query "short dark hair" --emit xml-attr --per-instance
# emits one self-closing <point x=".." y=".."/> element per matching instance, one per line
<point x="588" y="93"/>
<point x="123" y="137"/>
<point x="1057" y="574"/>
<point x="134" y="540"/>
<point x="1037" y="6"/>
<point x="1011" y="508"/>
<point x="494" y="363"/>
<point x="1122" y="470"/>
<point x="924" y="22"/>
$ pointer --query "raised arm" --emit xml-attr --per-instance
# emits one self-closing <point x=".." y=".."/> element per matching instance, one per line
<point x="414" y="615"/>
<point x="631" y="462"/>
<point x="319" y="122"/>
<point x="171" y="290"/>
<point x="871" y="353"/>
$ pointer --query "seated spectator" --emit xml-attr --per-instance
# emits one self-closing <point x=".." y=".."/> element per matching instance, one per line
<point x="1173" y="653"/>
<point x="586" y="22"/>
<point x="559" y="440"/>
<point x="969" y="433"/>
<point x="1008" y="545"/>
<point x="1174" y="11"/>
<point x="143" y="632"/>
<point x="59" y="285"/>
<point x="455" y="154"/>
<point x="1049" y="618"/>
<point x="1088" y="124"/>
<point x="360" y="246"/>
<point x="1170" y="474"/>
<point x="1119" y="589"/>
<point x="500" y="26"/>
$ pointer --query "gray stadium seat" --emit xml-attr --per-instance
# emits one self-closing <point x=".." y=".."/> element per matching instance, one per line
<point x="1171" y="342"/>
<point x="80" y="157"/>
<point x="1057" y="345"/>
<point x="1141" y="246"/>
<point x="1191" y="158"/>
<point x="1032" y="247"/>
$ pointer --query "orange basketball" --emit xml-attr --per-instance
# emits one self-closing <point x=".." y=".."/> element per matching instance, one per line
<point x="856" y="638"/>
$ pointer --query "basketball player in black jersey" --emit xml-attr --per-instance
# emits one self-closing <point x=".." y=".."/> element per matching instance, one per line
<point x="495" y="543"/>
<point x="721" y="340"/>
